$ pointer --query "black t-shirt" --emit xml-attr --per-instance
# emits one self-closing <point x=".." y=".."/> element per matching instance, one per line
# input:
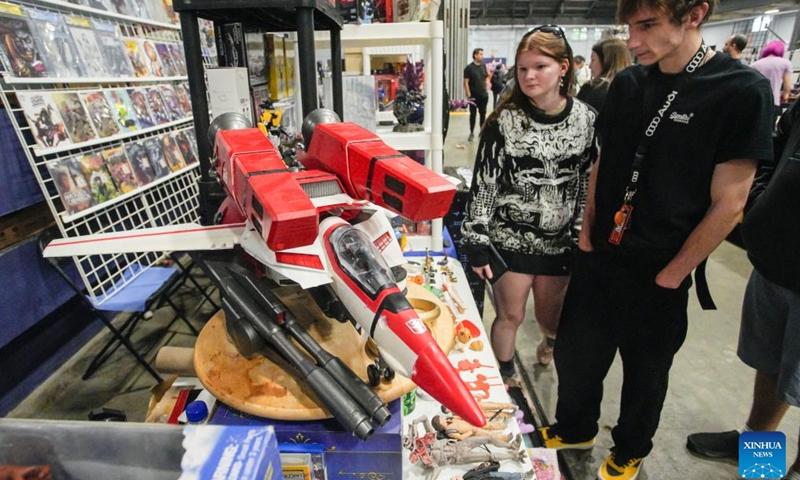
<point x="723" y="112"/>
<point x="594" y="93"/>
<point x="477" y="75"/>
<point x="771" y="228"/>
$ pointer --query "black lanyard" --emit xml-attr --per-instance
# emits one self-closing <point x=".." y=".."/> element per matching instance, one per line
<point x="652" y="126"/>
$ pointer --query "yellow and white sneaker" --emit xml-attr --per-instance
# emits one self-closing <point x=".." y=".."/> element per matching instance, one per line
<point x="614" y="468"/>
<point x="555" y="442"/>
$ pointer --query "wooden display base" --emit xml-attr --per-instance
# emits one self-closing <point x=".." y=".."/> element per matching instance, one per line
<point x="261" y="386"/>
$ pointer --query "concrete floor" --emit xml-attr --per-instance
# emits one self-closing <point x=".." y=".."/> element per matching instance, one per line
<point x="710" y="388"/>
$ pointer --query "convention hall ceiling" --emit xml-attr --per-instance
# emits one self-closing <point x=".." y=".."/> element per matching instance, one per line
<point x="593" y="12"/>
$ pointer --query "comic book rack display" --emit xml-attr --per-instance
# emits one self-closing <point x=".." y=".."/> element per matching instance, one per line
<point x="97" y="92"/>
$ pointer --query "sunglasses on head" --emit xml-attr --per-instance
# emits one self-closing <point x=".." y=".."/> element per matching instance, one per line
<point x="551" y="29"/>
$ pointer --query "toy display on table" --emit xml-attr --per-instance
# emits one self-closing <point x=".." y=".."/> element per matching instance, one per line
<point x="317" y="227"/>
<point x="477" y="368"/>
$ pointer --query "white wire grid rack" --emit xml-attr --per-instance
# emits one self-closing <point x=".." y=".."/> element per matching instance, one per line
<point x="169" y="200"/>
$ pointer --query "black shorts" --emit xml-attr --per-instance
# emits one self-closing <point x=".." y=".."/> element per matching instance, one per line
<point x="551" y="265"/>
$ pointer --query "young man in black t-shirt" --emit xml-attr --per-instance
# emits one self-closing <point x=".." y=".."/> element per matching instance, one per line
<point x="630" y="281"/>
<point x="475" y="76"/>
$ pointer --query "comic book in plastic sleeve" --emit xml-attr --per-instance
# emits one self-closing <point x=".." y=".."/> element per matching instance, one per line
<point x="97" y="4"/>
<point x="123" y="7"/>
<point x="174" y="109"/>
<point x="139" y="9"/>
<point x="121" y="169"/>
<point x="151" y="58"/>
<point x="55" y="44"/>
<point x="122" y="109"/>
<point x="185" y="146"/>
<point x="157" y="12"/>
<point x="98" y="176"/>
<point x="156" y="154"/>
<point x="138" y="98"/>
<point x="18" y="50"/>
<point x="142" y="168"/>
<point x="190" y="135"/>
<point x="89" y="51"/>
<point x="136" y="57"/>
<point x="184" y="98"/>
<point x="172" y="153"/>
<point x="115" y="55"/>
<point x="47" y="126"/>
<point x="170" y="68"/>
<point x="79" y="126"/>
<point x="172" y="16"/>
<point x="156" y="104"/>
<point x="100" y="113"/>
<point x="74" y="190"/>
<point x="177" y="56"/>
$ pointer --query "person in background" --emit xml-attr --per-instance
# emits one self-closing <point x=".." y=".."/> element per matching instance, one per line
<point x="609" y="57"/>
<point x="778" y="71"/>
<point x="769" y="336"/>
<point x="676" y="163"/>
<point x="498" y="82"/>
<point x="735" y="45"/>
<point x="527" y="194"/>
<point x="475" y="76"/>
<point x="582" y="72"/>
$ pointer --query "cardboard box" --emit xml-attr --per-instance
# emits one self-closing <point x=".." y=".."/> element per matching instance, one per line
<point x="229" y="91"/>
<point x="288" y="70"/>
<point x="230" y="452"/>
<point x="256" y="62"/>
<point x="346" y="457"/>
<point x="275" y="66"/>
<point x="231" y="48"/>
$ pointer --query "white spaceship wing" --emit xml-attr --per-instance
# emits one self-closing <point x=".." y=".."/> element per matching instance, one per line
<point x="185" y="237"/>
<point x="307" y="277"/>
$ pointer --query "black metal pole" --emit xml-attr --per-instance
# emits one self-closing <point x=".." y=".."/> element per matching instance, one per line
<point x="308" y="61"/>
<point x="197" y="87"/>
<point x="336" y="71"/>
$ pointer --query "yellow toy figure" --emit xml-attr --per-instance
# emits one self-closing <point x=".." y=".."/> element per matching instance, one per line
<point x="270" y="121"/>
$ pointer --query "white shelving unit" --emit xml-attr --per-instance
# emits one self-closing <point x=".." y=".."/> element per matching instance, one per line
<point x="168" y="200"/>
<point x="430" y="37"/>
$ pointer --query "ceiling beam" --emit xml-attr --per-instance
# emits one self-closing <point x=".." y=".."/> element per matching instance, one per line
<point x="732" y="5"/>
<point x="591" y="8"/>
<point x="558" y="11"/>
<point x="535" y="20"/>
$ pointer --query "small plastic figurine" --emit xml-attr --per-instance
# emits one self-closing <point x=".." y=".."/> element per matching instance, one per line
<point x="458" y="429"/>
<point x="470" y="365"/>
<point x="490" y="471"/>
<point x="433" y="453"/>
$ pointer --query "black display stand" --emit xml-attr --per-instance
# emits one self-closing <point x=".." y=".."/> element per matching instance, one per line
<point x="302" y="16"/>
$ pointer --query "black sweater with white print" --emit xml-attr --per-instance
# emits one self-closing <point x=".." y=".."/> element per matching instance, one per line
<point x="529" y="184"/>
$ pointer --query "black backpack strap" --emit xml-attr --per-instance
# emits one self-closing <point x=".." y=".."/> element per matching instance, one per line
<point x="701" y="287"/>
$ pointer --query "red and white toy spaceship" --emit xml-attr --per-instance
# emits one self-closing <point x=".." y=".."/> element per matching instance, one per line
<point x="323" y="226"/>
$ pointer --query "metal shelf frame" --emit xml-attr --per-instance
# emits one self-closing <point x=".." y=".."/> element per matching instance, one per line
<point x="169" y="200"/>
<point x="302" y="16"/>
<point x="430" y="37"/>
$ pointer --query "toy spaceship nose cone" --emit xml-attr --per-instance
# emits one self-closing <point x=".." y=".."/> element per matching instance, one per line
<point x="434" y="374"/>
